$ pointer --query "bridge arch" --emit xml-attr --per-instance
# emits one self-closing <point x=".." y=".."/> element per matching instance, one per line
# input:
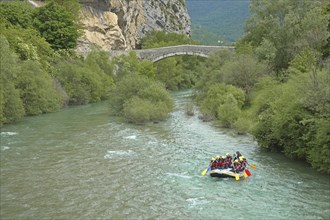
<point x="178" y="54"/>
<point x="156" y="54"/>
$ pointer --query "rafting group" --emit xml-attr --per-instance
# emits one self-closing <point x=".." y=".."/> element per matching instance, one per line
<point x="228" y="166"/>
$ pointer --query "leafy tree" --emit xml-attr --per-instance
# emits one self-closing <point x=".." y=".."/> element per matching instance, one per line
<point x="130" y="64"/>
<point x="216" y="96"/>
<point x="210" y="70"/>
<point x="140" y="99"/>
<point x="83" y="81"/>
<point x="36" y="89"/>
<point x="169" y="73"/>
<point x="72" y="6"/>
<point x="28" y="44"/>
<point x="57" y="26"/>
<point x="229" y="112"/>
<point x="293" y="117"/>
<point x="326" y="48"/>
<point x="100" y="60"/>
<point x="286" y="27"/>
<point x="17" y="13"/>
<point x="11" y="106"/>
<point x="243" y="71"/>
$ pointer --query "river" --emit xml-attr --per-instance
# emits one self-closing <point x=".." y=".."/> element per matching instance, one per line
<point x="82" y="163"/>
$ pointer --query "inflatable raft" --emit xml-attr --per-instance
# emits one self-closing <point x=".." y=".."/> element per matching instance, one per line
<point x="224" y="173"/>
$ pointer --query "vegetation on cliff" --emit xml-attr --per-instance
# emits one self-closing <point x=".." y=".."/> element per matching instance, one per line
<point x="39" y="72"/>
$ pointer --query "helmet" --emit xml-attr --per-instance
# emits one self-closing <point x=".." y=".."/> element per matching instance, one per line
<point x="227" y="154"/>
<point x="217" y="157"/>
<point x="241" y="158"/>
<point x="236" y="161"/>
<point x="212" y="158"/>
<point x="222" y="157"/>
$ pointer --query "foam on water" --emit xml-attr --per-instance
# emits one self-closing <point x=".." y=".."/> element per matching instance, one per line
<point x="181" y="175"/>
<point x="8" y="133"/>
<point x="130" y="137"/>
<point x="3" y="148"/>
<point x="196" y="201"/>
<point x="120" y="153"/>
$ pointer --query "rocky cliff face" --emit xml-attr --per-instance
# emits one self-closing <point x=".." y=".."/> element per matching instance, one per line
<point x="120" y="24"/>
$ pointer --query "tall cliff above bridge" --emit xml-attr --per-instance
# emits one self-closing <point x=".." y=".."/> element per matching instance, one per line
<point x="120" y="24"/>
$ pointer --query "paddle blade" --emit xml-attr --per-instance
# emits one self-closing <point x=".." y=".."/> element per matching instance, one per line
<point x="245" y="175"/>
<point x="236" y="176"/>
<point x="247" y="172"/>
<point x="204" y="172"/>
<point x="253" y="166"/>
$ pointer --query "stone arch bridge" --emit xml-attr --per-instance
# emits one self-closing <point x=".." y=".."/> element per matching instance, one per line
<point x="157" y="54"/>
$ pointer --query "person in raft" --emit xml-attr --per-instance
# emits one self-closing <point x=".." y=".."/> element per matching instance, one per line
<point x="236" y="166"/>
<point x="243" y="161"/>
<point x="213" y="163"/>
<point x="237" y="155"/>
<point x="228" y="161"/>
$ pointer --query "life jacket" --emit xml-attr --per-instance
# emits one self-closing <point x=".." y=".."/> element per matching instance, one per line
<point x="213" y="164"/>
<point x="220" y="163"/>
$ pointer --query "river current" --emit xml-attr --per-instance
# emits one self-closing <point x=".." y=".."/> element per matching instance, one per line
<point x="82" y="163"/>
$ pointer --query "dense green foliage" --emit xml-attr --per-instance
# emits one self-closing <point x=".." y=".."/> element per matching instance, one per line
<point x="174" y="72"/>
<point x="277" y="86"/>
<point x="85" y="81"/>
<point x="35" y="78"/>
<point x="141" y="99"/>
<point x="130" y="64"/>
<point x="57" y="26"/>
<point x="17" y="13"/>
<point x="295" y="26"/>
<point x="11" y="105"/>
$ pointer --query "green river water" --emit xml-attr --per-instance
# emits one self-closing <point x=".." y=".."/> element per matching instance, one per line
<point x="81" y="163"/>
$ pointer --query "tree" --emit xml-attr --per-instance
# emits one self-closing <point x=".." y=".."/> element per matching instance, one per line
<point x="57" y="26"/>
<point x="37" y="89"/>
<point x="130" y="64"/>
<point x="11" y="106"/>
<point x="216" y="96"/>
<point x="140" y="99"/>
<point x="17" y="13"/>
<point x="286" y="27"/>
<point x="243" y="71"/>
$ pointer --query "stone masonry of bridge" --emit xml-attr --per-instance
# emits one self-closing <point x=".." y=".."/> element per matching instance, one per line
<point x="157" y="54"/>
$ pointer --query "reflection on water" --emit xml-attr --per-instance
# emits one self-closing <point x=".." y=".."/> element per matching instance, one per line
<point x="83" y="164"/>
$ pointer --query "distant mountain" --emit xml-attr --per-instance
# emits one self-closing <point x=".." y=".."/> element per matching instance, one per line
<point x="217" y="22"/>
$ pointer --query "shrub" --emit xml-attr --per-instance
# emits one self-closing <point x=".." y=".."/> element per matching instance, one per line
<point x="140" y="99"/>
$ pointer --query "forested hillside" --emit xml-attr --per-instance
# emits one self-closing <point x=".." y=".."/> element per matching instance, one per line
<point x="218" y="20"/>
<point x="277" y="84"/>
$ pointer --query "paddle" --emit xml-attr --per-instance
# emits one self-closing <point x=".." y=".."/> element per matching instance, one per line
<point x="245" y="175"/>
<point x="253" y="166"/>
<point x="247" y="172"/>
<point x="205" y="171"/>
<point x="236" y="176"/>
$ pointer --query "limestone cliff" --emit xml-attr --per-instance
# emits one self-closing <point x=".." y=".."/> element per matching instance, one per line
<point x="120" y="24"/>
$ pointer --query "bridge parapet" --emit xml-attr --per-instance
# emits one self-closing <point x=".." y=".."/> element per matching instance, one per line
<point x="156" y="54"/>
